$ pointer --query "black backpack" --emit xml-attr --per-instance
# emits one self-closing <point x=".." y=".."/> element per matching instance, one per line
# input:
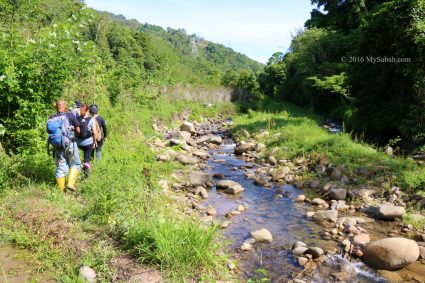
<point x="85" y="130"/>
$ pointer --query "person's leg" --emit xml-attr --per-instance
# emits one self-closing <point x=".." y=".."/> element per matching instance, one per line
<point x="88" y="150"/>
<point x="99" y="151"/>
<point x="74" y="162"/>
<point x="61" y="167"/>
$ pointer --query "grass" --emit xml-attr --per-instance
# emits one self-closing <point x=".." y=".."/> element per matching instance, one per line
<point x="417" y="220"/>
<point x="118" y="209"/>
<point x="298" y="133"/>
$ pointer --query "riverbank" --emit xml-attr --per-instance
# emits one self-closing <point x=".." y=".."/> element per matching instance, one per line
<point x="144" y="206"/>
<point x="119" y="219"/>
<point x="287" y="195"/>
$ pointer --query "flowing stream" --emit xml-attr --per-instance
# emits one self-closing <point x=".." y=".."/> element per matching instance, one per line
<point x="284" y="218"/>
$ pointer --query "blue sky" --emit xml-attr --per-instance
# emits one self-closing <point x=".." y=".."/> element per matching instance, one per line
<point x="255" y="28"/>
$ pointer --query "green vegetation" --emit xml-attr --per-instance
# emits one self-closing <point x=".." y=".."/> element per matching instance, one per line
<point x="336" y="66"/>
<point x="120" y="205"/>
<point x="297" y="133"/>
<point x="50" y="49"/>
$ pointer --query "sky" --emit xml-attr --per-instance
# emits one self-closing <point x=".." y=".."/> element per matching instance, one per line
<point x="257" y="28"/>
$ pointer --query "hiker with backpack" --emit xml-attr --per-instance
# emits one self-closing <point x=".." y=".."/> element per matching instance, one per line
<point x="62" y="128"/>
<point x="99" y="131"/>
<point x="85" y="138"/>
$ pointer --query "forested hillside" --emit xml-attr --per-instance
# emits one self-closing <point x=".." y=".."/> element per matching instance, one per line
<point x="60" y="48"/>
<point x="361" y="63"/>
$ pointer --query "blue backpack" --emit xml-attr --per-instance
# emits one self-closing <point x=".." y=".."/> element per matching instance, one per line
<point x="58" y="129"/>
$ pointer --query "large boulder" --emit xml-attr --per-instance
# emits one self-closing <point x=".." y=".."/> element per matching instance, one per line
<point x="262" y="235"/>
<point x="337" y="194"/>
<point x="229" y="186"/>
<point x="386" y="211"/>
<point x="245" y="147"/>
<point x="330" y="215"/>
<point x="391" y="253"/>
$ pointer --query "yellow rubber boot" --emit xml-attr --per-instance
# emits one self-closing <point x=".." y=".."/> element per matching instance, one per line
<point x="72" y="178"/>
<point x="60" y="182"/>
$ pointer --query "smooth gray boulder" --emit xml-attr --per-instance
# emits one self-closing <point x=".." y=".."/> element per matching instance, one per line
<point x="262" y="236"/>
<point x="386" y="211"/>
<point x="229" y="186"/>
<point x="391" y="253"/>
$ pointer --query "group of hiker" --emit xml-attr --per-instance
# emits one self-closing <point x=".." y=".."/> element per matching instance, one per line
<point x="68" y="131"/>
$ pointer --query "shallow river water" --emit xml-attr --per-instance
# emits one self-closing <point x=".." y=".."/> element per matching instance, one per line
<point x="284" y="218"/>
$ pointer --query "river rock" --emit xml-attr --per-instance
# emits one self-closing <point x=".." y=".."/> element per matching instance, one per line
<point x="218" y="176"/>
<point x="362" y="239"/>
<point x="318" y="201"/>
<point x="310" y="214"/>
<point x="241" y="208"/>
<point x="391" y="276"/>
<point x="386" y="211"/>
<point x="163" y="157"/>
<point x="315" y="252"/>
<point x="202" y="192"/>
<point x="331" y="215"/>
<point x="249" y="146"/>
<point x="225" y="224"/>
<point x="300" y="198"/>
<point x="246" y="247"/>
<point x="201" y="153"/>
<point x="337" y="194"/>
<point x="260" y="147"/>
<point x="298" y="244"/>
<point x="302" y="260"/>
<point x="188" y="127"/>
<point x="215" y="140"/>
<point x="186" y="160"/>
<point x="336" y="174"/>
<point x="211" y="211"/>
<point x="87" y="274"/>
<point x="261" y="181"/>
<point x="262" y="235"/>
<point x="230" y="187"/>
<point x="271" y="160"/>
<point x="391" y="253"/>
<point x="181" y="135"/>
<point x="299" y="251"/>
<point x="199" y="179"/>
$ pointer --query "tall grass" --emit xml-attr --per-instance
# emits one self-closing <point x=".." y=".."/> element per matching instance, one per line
<point x="121" y="200"/>
<point x="300" y="133"/>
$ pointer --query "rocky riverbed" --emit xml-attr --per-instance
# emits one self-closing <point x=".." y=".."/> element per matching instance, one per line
<point x="320" y="229"/>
